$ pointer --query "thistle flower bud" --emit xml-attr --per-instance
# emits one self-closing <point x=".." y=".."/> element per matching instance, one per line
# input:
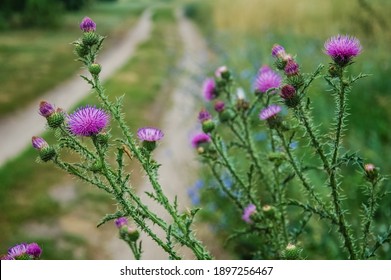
<point x="219" y="106"/>
<point x="289" y="95"/>
<point x="201" y="142"/>
<point x="46" y="152"/>
<point x="269" y="211"/>
<point x="54" y="117"/>
<point x="87" y="25"/>
<point x="120" y="222"/>
<point x="371" y="172"/>
<point x="206" y="120"/>
<point x="278" y="51"/>
<point x="292" y="68"/>
<point x="46" y="109"/>
<point x="229" y="114"/>
<point x="222" y="73"/>
<point x="95" y="68"/>
<point x="204" y="115"/>
<point x="133" y="234"/>
<point x="292" y="252"/>
<point x="208" y="126"/>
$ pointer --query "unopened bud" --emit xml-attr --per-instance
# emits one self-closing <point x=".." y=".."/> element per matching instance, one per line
<point x="226" y="115"/>
<point x="95" y="68"/>
<point x="56" y="119"/>
<point x="292" y="252"/>
<point x="269" y="211"/>
<point x="371" y="172"/>
<point x="208" y="126"/>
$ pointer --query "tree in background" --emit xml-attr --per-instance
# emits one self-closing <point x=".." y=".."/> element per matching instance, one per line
<point x="36" y="13"/>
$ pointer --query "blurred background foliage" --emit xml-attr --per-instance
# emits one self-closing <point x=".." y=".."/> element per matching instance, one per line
<point x="241" y="33"/>
<point x="38" y="13"/>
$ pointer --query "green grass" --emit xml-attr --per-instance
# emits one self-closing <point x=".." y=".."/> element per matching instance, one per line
<point x="25" y="185"/>
<point x="34" y="61"/>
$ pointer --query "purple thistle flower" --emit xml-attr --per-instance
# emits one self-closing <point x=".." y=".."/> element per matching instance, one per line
<point x="291" y="68"/>
<point x="46" y="109"/>
<point x="121" y="221"/>
<point x="149" y="134"/>
<point x="39" y="143"/>
<point x="247" y="212"/>
<point x="199" y="139"/>
<point x="204" y="115"/>
<point x="209" y="89"/>
<point x="267" y="80"/>
<point x="278" y="51"/>
<point x="17" y="250"/>
<point x="34" y="250"/>
<point x="219" y="106"/>
<point x="269" y="112"/>
<point x="87" y="25"/>
<point x="342" y="48"/>
<point x="87" y="121"/>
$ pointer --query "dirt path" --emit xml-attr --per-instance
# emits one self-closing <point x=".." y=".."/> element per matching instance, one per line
<point x="17" y="129"/>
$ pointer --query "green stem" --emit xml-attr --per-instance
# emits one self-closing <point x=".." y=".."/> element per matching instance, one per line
<point x="298" y="171"/>
<point x="342" y="224"/>
<point x="231" y="169"/>
<point x="369" y="218"/>
<point x="194" y="244"/>
<point x="303" y="118"/>
<point x="223" y="187"/>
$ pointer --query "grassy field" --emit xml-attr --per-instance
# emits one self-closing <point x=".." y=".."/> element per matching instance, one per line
<point x="31" y="184"/>
<point x="33" y="61"/>
<point x="244" y="44"/>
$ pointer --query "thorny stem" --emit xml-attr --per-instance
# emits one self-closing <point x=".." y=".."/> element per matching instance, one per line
<point x="185" y="238"/>
<point x="223" y="187"/>
<point x="230" y="168"/>
<point x="299" y="172"/>
<point x="369" y="217"/>
<point x="314" y="140"/>
<point x="343" y="227"/>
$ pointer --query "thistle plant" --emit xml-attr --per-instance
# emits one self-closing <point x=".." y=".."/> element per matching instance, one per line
<point x="259" y="179"/>
<point x="263" y="175"/>
<point x="101" y="160"/>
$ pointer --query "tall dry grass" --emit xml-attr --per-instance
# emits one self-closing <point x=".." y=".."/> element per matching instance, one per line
<point x="304" y="17"/>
